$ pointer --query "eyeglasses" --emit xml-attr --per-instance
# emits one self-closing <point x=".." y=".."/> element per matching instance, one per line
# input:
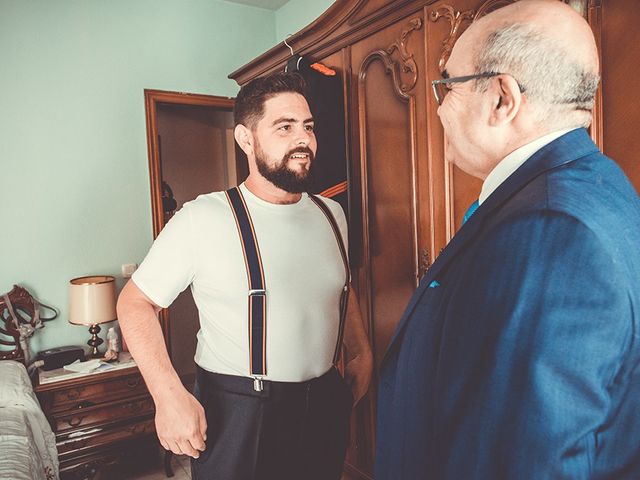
<point x="441" y="87"/>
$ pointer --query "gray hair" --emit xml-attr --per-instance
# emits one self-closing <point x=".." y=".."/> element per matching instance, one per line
<point x="561" y="90"/>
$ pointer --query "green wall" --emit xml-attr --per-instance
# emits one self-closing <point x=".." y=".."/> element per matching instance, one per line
<point x="297" y="14"/>
<point x="74" y="182"/>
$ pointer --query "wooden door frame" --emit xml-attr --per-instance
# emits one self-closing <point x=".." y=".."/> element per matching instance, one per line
<point x="153" y="98"/>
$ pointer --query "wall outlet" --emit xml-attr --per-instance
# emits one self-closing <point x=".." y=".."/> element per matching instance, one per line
<point x="128" y="269"/>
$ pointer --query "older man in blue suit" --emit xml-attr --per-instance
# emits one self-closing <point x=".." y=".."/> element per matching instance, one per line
<point x="518" y="357"/>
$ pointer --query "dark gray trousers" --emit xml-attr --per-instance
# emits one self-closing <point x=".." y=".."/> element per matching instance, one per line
<point x="289" y="431"/>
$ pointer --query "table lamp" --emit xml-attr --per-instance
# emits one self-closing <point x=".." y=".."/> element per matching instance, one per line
<point x="92" y="300"/>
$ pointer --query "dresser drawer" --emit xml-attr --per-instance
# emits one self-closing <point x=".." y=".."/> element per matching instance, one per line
<point x="85" y="416"/>
<point x="78" y="441"/>
<point x="83" y="396"/>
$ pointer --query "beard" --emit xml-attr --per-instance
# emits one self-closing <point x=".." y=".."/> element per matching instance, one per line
<point x="282" y="176"/>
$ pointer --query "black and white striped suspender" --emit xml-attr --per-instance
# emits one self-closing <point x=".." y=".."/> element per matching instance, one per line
<point x="257" y="287"/>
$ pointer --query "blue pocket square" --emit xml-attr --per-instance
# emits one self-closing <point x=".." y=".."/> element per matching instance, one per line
<point x="434" y="284"/>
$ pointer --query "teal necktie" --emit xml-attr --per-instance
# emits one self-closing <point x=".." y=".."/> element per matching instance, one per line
<point x="467" y="215"/>
<point x="470" y="211"/>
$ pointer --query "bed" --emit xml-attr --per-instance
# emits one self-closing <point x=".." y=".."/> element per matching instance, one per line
<point x="27" y="444"/>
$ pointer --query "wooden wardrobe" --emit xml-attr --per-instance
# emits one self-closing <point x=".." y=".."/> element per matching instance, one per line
<point x="405" y="202"/>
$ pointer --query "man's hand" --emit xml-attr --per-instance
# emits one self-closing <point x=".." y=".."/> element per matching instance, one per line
<point x="181" y="423"/>
<point x="357" y="373"/>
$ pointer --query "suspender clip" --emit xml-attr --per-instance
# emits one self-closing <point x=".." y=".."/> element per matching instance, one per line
<point x="257" y="384"/>
<point x="256" y="292"/>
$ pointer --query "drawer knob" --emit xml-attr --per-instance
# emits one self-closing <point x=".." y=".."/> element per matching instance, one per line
<point x="133" y="407"/>
<point x="73" y="394"/>
<point x="133" y="382"/>
<point x="75" y="421"/>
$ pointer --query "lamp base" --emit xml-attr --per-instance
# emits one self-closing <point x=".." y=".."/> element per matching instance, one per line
<point x="95" y="341"/>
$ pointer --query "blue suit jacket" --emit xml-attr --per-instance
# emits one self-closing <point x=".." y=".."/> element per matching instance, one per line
<point x="518" y="356"/>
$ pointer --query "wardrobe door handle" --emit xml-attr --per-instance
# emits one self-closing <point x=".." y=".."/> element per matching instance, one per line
<point x="424" y="263"/>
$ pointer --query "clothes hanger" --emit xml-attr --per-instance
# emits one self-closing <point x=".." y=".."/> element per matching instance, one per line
<point x="290" y="47"/>
<point x="293" y="64"/>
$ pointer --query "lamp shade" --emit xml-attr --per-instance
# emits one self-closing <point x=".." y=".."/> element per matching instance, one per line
<point x="92" y="300"/>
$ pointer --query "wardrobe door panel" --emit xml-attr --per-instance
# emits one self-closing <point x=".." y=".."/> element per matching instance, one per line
<point x="387" y="158"/>
<point x="386" y="150"/>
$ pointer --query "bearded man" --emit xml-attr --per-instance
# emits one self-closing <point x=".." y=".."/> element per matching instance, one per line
<point x="267" y="266"/>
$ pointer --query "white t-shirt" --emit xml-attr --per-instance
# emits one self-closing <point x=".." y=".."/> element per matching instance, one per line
<point x="304" y="276"/>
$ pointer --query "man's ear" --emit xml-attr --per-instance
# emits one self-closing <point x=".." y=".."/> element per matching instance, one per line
<point x="244" y="137"/>
<point x="507" y="99"/>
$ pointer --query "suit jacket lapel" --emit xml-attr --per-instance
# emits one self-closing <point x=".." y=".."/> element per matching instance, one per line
<point x="571" y="146"/>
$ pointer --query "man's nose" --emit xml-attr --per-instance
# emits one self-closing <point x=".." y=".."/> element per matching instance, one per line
<point x="303" y="137"/>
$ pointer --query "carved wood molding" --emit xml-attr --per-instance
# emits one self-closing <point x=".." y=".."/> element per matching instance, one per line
<point x="456" y="19"/>
<point x="358" y="17"/>
<point x="407" y="65"/>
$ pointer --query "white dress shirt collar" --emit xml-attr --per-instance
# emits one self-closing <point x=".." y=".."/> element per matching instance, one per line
<point x="512" y="162"/>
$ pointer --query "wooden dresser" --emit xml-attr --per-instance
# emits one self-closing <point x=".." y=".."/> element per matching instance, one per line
<point x="99" y="420"/>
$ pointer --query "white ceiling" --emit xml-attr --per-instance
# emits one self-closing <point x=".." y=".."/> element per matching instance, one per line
<point x="268" y="4"/>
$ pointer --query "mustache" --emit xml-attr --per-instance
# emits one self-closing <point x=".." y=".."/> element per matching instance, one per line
<point x="306" y="150"/>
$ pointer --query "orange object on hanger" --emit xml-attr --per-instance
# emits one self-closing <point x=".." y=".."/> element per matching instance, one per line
<point x="323" y="69"/>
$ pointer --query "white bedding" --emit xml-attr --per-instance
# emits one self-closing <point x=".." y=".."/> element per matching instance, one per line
<point x="27" y="444"/>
